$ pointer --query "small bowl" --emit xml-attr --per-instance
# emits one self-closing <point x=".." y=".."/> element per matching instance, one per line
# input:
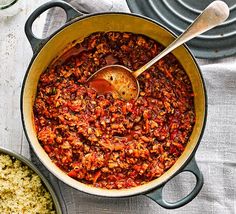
<point x="31" y="166"/>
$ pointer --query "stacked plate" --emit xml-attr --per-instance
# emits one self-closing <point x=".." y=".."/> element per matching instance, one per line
<point x="177" y="15"/>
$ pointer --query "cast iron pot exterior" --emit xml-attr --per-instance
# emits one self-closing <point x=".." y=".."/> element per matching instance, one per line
<point x="44" y="180"/>
<point x="77" y="27"/>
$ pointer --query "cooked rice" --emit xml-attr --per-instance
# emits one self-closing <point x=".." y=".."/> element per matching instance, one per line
<point x="21" y="189"/>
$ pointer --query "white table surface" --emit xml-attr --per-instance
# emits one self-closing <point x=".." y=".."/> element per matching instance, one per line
<point x="14" y="59"/>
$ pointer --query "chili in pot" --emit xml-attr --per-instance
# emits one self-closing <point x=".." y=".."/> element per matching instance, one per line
<point x="105" y="141"/>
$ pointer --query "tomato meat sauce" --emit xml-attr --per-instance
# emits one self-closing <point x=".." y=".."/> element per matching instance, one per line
<point x="108" y="142"/>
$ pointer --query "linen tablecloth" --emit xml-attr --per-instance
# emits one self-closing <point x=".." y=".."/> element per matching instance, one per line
<point x="216" y="155"/>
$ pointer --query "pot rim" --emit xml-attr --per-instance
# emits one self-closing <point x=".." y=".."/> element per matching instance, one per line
<point x="118" y="195"/>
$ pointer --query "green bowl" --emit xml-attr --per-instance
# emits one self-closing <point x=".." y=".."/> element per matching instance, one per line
<point x="31" y="166"/>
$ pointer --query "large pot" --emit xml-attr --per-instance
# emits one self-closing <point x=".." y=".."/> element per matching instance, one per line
<point x="79" y="26"/>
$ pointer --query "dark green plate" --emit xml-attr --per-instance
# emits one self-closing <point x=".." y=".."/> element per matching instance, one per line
<point x="177" y="16"/>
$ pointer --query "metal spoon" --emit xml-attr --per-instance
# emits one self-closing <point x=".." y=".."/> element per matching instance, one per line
<point x="123" y="83"/>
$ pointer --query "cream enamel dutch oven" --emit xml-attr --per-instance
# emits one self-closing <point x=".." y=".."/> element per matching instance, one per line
<point x="77" y="27"/>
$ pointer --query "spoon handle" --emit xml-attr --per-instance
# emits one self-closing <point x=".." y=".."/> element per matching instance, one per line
<point x="216" y="13"/>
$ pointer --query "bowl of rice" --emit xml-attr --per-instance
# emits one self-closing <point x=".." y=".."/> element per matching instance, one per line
<point x="23" y="188"/>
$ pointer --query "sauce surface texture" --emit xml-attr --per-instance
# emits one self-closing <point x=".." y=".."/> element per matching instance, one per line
<point x="106" y="142"/>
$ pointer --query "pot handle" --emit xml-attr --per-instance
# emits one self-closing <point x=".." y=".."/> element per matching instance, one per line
<point x="156" y="195"/>
<point x="35" y="42"/>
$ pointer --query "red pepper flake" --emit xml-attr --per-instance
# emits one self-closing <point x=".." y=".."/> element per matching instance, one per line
<point x="96" y="176"/>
